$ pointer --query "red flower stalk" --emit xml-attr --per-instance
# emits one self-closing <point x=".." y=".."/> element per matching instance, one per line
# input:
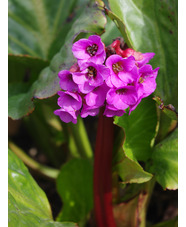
<point x="103" y="173"/>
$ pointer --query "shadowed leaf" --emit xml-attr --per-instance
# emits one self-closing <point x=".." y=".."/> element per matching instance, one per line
<point x="76" y="193"/>
<point x="165" y="161"/>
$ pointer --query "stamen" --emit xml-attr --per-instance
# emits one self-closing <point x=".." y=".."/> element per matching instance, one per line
<point x="141" y="80"/>
<point x="70" y="77"/>
<point x="117" y="67"/>
<point x="92" y="50"/>
<point x="121" y="91"/>
<point x="92" y="72"/>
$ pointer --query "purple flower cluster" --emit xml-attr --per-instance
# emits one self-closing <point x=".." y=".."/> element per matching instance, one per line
<point x="115" y="83"/>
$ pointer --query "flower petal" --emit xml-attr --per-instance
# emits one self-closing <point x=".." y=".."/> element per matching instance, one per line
<point x="66" y="82"/>
<point x="111" y="111"/>
<point x="69" y="100"/>
<point x="67" y="116"/>
<point x="87" y="110"/>
<point x="79" y="48"/>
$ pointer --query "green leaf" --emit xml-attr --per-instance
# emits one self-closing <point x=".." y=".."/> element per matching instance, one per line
<point x="28" y="204"/>
<point x="35" y="27"/>
<point x="20" y="104"/>
<point x="151" y="26"/>
<point x="24" y="68"/>
<point x="140" y="130"/>
<point x="74" y="184"/>
<point x="90" y="21"/>
<point x="128" y="169"/>
<point x="165" y="161"/>
<point x="118" y="21"/>
<point x="169" y="223"/>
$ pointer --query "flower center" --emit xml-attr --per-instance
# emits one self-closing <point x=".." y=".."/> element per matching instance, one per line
<point x="69" y="76"/>
<point x="92" y="49"/>
<point x="121" y="91"/>
<point x="141" y="80"/>
<point x="131" y="84"/>
<point x="92" y="72"/>
<point x="117" y="67"/>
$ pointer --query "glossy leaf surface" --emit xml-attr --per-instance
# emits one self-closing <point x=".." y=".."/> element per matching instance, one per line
<point x="129" y="170"/>
<point x="151" y="26"/>
<point x="126" y="165"/>
<point x="34" y="26"/>
<point x="28" y="204"/>
<point x="140" y="130"/>
<point x="165" y="161"/>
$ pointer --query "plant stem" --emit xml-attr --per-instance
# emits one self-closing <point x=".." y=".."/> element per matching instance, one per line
<point x="103" y="173"/>
<point x="81" y="139"/>
<point x="44" y="170"/>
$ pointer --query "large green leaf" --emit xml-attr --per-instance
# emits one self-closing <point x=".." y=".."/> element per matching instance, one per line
<point x="126" y="166"/>
<point x="151" y="26"/>
<point x="38" y="28"/>
<point x="75" y="186"/>
<point x="90" y="21"/>
<point x="165" y="161"/>
<point x="140" y="130"/>
<point x="23" y="70"/>
<point x="28" y="204"/>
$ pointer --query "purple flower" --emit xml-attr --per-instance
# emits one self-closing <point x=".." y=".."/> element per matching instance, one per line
<point x="122" y="98"/>
<point x="146" y="81"/>
<point x="146" y="57"/>
<point x="89" y="111"/>
<point x="97" y="96"/>
<point x="91" y="76"/>
<point x="66" y="82"/>
<point x="117" y="84"/>
<point x="68" y="100"/>
<point x="67" y="115"/>
<point x="122" y="71"/>
<point x="91" y="49"/>
<point x="111" y="111"/>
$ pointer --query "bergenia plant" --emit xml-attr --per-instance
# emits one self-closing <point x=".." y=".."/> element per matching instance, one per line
<point x="110" y="85"/>
<point x="93" y="113"/>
